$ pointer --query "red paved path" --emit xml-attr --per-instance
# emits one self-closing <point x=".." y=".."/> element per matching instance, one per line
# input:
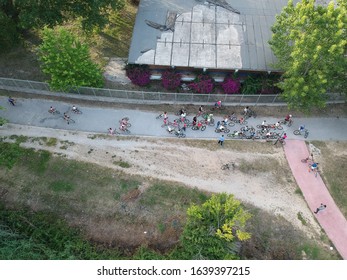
<point x="315" y="193"/>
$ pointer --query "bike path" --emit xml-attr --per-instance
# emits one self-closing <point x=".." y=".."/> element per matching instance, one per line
<point x="97" y="120"/>
<point x="315" y="192"/>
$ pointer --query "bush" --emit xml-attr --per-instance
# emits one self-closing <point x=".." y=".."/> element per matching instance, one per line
<point x="231" y="85"/>
<point x="171" y="79"/>
<point x="203" y="83"/>
<point x="138" y="74"/>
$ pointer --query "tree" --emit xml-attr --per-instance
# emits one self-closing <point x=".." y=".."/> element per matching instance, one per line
<point x="215" y="229"/>
<point x="310" y="43"/>
<point x="27" y="14"/>
<point x="67" y="61"/>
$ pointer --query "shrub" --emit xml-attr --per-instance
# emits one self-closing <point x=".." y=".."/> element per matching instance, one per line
<point x="138" y="74"/>
<point x="231" y="85"/>
<point x="171" y="79"/>
<point x="203" y="83"/>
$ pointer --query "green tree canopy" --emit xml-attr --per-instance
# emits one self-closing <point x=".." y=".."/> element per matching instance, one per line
<point x="310" y="42"/>
<point x="214" y="229"/>
<point x="26" y="14"/>
<point x="67" y="61"/>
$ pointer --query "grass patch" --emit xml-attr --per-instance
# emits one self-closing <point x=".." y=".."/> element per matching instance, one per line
<point x="61" y="186"/>
<point x="19" y="138"/>
<point x="299" y="192"/>
<point x="51" y="142"/>
<point x="122" y="164"/>
<point x="301" y="218"/>
<point x="333" y="163"/>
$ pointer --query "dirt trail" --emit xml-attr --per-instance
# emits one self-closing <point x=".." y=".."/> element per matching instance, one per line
<point x="192" y="166"/>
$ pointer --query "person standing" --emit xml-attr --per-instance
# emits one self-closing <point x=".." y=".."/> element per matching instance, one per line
<point x="11" y="100"/>
<point x="320" y="208"/>
<point x="221" y="140"/>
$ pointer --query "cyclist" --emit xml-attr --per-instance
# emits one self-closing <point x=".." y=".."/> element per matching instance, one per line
<point x="218" y="104"/>
<point x="67" y="118"/>
<point x="12" y="101"/>
<point x="301" y="128"/>
<point x="201" y="110"/>
<point x="226" y="120"/>
<point x="74" y="109"/>
<point x="124" y="121"/>
<point x="246" y="111"/>
<point x="122" y="126"/>
<point x="288" y="118"/>
<point x="110" y="131"/>
<point x="182" y="111"/>
<point x="52" y="109"/>
<point x="199" y="125"/>
<point x="284" y="136"/>
<point x="165" y="115"/>
<point x="277" y="124"/>
<point x="264" y="124"/>
<point x="194" y="121"/>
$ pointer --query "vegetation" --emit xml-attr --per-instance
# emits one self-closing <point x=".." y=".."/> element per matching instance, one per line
<point x="202" y="83"/>
<point x="310" y="42"/>
<point x="231" y="85"/>
<point x="67" y="61"/>
<point x="41" y="194"/>
<point x="171" y="79"/>
<point x="333" y="163"/>
<point x="138" y="74"/>
<point x="16" y="17"/>
<point x="214" y="229"/>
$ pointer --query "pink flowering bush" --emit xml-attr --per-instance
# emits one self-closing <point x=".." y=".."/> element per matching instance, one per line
<point x="203" y="83"/>
<point x="171" y="79"/>
<point x="139" y="75"/>
<point x="231" y="85"/>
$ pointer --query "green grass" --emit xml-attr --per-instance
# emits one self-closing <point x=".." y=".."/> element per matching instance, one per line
<point x="83" y="193"/>
<point x="333" y="164"/>
<point x="59" y="186"/>
<point x="122" y="164"/>
<point x="301" y="218"/>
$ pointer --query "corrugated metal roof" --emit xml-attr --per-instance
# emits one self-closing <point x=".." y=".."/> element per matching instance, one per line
<point x="205" y="35"/>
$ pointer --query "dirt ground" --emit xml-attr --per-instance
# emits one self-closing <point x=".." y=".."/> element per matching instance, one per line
<point x="269" y="186"/>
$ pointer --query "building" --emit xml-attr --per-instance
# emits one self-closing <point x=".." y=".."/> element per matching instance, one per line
<point x="220" y="36"/>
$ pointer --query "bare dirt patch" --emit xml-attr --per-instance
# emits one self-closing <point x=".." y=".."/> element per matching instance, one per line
<point x="270" y="187"/>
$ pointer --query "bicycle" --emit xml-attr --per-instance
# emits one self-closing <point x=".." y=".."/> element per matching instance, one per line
<point x="113" y="132"/>
<point x="160" y="116"/>
<point x="225" y="130"/>
<point x="221" y="107"/>
<point x="126" y="122"/>
<point x="305" y="160"/>
<point x="197" y="127"/>
<point x="237" y="134"/>
<point x="280" y="140"/>
<point x="76" y="111"/>
<point x="125" y="130"/>
<point x="288" y="123"/>
<point x="299" y="132"/>
<point x="68" y="120"/>
<point x="228" y="166"/>
<point x="270" y="126"/>
<point x="54" y="112"/>
<point x="250" y="113"/>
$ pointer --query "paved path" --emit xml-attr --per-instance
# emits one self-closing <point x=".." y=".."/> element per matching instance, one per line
<point x="97" y="120"/>
<point x="315" y="193"/>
